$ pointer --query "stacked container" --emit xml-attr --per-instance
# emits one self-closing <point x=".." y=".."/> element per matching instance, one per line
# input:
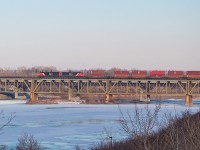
<point x="121" y="74"/>
<point x="157" y="74"/>
<point x="193" y="74"/>
<point x="138" y="74"/>
<point x="175" y="74"/>
<point x="97" y="73"/>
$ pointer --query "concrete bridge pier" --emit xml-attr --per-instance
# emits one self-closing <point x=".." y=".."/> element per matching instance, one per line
<point x="144" y="98"/>
<point x="188" y="100"/>
<point x="19" y="96"/>
<point x="70" y="94"/>
<point x="33" y="97"/>
<point x="108" y="97"/>
<point x="148" y="99"/>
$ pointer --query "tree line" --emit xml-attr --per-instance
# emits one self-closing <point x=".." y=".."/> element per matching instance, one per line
<point x="32" y="71"/>
<point x="25" y="71"/>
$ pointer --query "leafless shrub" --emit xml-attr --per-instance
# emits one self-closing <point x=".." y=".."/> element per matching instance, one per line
<point x="28" y="142"/>
<point x="3" y="147"/>
<point x="77" y="147"/>
<point x="4" y="122"/>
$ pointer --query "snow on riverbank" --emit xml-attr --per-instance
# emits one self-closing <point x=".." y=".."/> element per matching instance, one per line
<point x="6" y="102"/>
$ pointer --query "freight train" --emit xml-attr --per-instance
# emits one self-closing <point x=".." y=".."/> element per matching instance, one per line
<point x="142" y="74"/>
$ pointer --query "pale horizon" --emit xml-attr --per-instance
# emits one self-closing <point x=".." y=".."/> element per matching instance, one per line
<point x="145" y="35"/>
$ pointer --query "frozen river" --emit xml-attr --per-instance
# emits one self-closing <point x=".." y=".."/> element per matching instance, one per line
<point x="64" y="126"/>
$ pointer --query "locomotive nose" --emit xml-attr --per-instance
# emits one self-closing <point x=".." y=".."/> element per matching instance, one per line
<point x="80" y="74"/>
<point x="41" y="74"/>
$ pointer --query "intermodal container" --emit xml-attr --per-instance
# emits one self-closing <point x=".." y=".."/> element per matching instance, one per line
<point x="121" y="74"/>
<point x="175" y="74"/>
<point x="97" y="73"/>
<point x="138" y="74"/>
<point x="157" y="74"/>
<point x="193" y="74"/>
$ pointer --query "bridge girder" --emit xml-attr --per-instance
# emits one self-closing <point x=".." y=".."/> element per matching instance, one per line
<point x="135" y="87"/>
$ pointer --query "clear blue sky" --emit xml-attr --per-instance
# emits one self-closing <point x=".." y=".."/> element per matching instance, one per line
<point x="78" y="34"/>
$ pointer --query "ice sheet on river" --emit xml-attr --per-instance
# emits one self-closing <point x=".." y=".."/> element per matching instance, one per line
<point x="64" y="126"/>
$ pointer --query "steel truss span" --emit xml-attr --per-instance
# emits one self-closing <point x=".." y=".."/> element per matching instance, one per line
<point x="137" y="88"/>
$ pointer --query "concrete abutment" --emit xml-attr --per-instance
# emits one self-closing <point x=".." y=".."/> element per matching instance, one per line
<point x="33" y="97"/>
<point x="108" y="97"/>
<point x="188" y="100"/>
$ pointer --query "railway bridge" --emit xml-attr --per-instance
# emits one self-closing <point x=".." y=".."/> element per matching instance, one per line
<point x="143" y="89"/>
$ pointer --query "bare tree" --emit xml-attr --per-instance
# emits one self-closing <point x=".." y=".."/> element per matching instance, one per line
<point x="3" y="147"/>
<point x="140" y="123"/>
<point x="24" y="71"/>
<point x="28" y="142"/>
<point x="77" y="147"/>
<point x="5" y="121"/>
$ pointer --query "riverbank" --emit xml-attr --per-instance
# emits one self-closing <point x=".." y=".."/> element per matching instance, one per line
<point x="179" y="132"/>
<point x="12" y="102"/>
<point x="56" y="101"/>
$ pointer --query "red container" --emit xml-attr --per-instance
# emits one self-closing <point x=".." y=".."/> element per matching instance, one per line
<point x="175" y="74"/>
<point x="121" y="74"/>
<point x="157" y="74"/>
<point x="97" y="73"/>
<point x="193" y="74"/>
<point x="139" y="74"/>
